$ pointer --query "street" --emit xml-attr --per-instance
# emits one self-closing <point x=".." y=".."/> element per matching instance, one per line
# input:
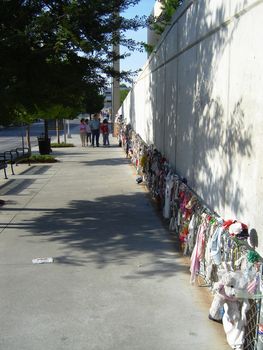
<point x="15" y="136"/>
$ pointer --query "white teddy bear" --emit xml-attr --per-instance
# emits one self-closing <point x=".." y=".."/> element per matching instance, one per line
<point x="228" y="309"/>
<point x="224" y="290"/>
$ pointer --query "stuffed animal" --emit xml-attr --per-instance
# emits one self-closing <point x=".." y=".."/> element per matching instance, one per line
<point x="228" y="309"/>
<point x="224" y="291"/>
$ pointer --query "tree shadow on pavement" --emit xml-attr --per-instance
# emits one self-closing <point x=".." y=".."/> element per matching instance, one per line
<point x="121" y="230"/>
<point x="107" y="161"/>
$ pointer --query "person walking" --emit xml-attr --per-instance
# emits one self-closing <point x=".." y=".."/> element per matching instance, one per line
<point x="95" y="129"/>
<point x="83" y="132"/>
<point x="105" y="132"/>
<point x="88" y="132"/>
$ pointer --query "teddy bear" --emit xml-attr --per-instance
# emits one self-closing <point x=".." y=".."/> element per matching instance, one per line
<point x="228" y="309"/>
<point x="224" y="291"/>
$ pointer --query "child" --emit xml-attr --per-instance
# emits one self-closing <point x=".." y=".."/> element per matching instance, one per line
<point x="83" y="132"/>
<point x="105" y="132"/>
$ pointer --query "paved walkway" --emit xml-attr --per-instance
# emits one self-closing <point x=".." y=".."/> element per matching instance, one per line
<point x="116" y="283"/>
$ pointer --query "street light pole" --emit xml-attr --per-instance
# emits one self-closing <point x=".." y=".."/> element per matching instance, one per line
<point x="116" y="68"/>
<point x="116" y="83"/>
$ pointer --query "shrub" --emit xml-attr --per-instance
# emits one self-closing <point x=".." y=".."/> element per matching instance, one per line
<point x="42" y="158"/>
<point x="62" y="144"/>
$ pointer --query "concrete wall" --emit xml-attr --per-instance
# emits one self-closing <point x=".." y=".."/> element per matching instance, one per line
<point x="199" y="101"/>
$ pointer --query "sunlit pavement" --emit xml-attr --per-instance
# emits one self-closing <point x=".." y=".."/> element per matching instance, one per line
<point x="116" y="281"/>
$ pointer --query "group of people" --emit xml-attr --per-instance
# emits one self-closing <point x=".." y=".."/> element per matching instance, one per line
<point x="90" y="131"/>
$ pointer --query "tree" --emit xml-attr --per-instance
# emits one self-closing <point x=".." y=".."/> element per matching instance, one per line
<point x="56" y="112"/>
<point x="93" y="100"/>
<point x="25" y="119"/>
<point x="158" y="24"/>
<point x="124" y="90"/>
<point x="52" y="52"/>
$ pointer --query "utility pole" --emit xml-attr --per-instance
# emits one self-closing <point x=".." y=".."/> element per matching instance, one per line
<point x="116" y="83"/>
<point x="116" y="68"/>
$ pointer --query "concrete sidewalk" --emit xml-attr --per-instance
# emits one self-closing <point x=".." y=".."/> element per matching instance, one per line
<point x="116" y="283"/>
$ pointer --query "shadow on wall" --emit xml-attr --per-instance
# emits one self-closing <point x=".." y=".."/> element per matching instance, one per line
<point x="111" y="230"/>
<point x="224" y="142"/>
<point x="220" y="138"/>
<point x="204" y="139"/>
<point x="132" y="109"/>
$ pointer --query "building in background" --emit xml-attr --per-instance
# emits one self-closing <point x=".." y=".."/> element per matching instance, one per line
<point x="152" y="36"/>
<point x="107" y="109"/>
<point x="107" y="101"/>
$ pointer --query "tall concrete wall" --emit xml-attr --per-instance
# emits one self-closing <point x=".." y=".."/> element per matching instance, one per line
<point x="199" y="100"/>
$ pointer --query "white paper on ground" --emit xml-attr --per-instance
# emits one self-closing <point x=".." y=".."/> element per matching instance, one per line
<point x="42" y="260"/>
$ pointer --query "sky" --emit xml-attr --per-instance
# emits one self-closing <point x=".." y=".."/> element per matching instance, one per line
<point x="137" y="59"/>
